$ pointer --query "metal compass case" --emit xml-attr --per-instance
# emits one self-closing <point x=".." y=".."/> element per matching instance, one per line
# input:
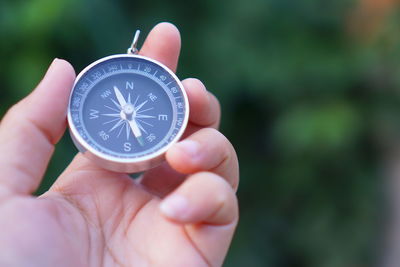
<point x="126" y="110"/>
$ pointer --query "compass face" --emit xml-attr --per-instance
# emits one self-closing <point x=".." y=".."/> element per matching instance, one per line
<point x="127" y="107"/>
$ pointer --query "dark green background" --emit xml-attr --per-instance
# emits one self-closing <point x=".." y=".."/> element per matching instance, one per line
<point x="309" y="105"/>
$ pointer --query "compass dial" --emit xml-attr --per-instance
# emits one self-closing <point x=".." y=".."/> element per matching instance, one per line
<point x="127" y="108"/>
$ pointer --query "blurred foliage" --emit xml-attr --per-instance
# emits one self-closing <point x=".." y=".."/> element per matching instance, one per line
<point x="309" y="96"/>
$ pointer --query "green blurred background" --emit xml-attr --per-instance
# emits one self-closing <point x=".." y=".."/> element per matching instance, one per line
<point x="309" y="92"/>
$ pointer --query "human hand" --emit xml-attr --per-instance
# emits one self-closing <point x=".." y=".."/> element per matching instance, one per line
<point x="182" y="213"/>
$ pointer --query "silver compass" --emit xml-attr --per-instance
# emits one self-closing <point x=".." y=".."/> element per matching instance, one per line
<point x="126" y="110"/>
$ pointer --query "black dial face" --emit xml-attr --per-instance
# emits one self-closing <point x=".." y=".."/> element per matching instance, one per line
<point x="127" y="107"/>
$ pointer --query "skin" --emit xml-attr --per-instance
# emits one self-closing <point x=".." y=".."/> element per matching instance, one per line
<point x="182" y="213"/>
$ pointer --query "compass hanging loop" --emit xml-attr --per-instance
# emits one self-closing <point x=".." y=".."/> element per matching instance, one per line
<point x="133" y="50"/>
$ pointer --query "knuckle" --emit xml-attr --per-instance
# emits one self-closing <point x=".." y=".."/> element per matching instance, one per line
<point x="228" y="164"/>
<point x="221" y="186"/>
<point x="226" y="198"/>
<point x="223" y="196"/>
<point x="12" y="113"/>
<point x="221" y="141"/>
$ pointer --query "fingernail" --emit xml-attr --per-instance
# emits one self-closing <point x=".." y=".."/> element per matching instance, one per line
<point x="175" y="207"/>
<point x="189" y="147"/>
<point x="53" y="62"/>
<point x="52" y="65"/>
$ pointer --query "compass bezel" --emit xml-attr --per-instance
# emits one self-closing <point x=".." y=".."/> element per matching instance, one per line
<point x="110" y="162"/>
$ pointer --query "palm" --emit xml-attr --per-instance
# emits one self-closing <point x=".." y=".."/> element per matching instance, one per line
<point x="101" y="218"/>
<point x="93" y="217"/>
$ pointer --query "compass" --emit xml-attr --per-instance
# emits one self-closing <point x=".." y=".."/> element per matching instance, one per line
<point x="125" y="111"/>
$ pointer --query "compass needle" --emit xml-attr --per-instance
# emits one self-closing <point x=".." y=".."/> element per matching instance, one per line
<point x="120" y="97"/>
<point x="135" y="128"/>
<point x="121" y="127"/>
<point x="127" y="131"/>
<point x="141" y="127"/>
